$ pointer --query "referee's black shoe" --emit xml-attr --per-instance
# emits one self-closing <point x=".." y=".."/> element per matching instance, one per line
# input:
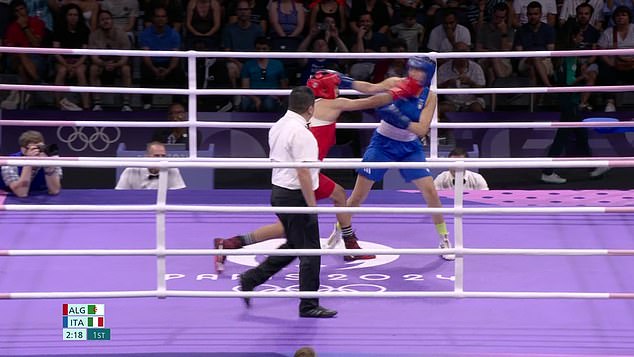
<point x="318" y="312"/>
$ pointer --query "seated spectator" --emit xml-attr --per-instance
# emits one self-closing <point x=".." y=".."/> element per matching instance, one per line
<point x="88" y="11"/>
<point x="262" y="73"/>
<point x="588" y="38"/>
<point x="160" y="71"/>
<point x="240" y="36"/>
<point x="569" y="10"/>
<point x="609" y="7"/>
<point x="124" y="15"/>
<point x="496" y="35"/>
<point x="258" y="13"/>
<point x="322" y="41"/>
<point x="173" y="8"/>
<point x="480" y="12"/>
<point x="203" y="25"/>
<point x="381" y="13"/>
<point x="472" y="180"/>
<point x="286" y="22"/>
<point x="71" y="32"/>
<point x="409" y="30"/>
<point x="460" y="73"/>
<point x="445" y="37"/>
<point x="25" y="31"/>
<point x="367" y="40"/>
<point x="535" y="36"/>
<point x="105" y="69"/>
<point x="175" y="112"/>
<point x="335" y="9"/>
<point x="22" y="180"/>
<point x="142" y="178"/>
<point x="456" y="7"/>
<point x="617" y="68"/>
<point x="547" y="15"/>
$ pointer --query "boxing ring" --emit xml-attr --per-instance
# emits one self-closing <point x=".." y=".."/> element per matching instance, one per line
<point x="557" y="281"/>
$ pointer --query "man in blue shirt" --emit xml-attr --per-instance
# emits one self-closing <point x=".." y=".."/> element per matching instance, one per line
<point x="160" y="71"/>
<point x="24" y="179"/>
<point x="239" y="36"/>
<point x="262" y="73"/>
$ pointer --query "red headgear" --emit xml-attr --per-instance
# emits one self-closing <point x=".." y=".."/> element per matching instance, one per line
<point x="323" y="84"/>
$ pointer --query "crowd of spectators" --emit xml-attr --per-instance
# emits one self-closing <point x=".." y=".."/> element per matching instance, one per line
<point x="309" y="25"/>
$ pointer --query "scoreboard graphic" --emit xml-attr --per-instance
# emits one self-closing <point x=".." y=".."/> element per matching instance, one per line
<point x="84" y="322"/>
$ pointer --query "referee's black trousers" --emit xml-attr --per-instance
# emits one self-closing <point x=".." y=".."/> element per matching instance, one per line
<point x="302" y="232"/>
<point x="565" y="137"/>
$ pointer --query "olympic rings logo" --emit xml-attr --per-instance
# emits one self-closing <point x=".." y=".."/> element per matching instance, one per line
<point x="77" y="140"/>
<point x="349" y="288"/>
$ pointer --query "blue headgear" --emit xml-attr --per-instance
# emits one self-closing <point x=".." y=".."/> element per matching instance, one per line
<point x="424" y="64"/>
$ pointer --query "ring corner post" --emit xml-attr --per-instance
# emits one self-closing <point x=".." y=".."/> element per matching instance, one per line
<point x="161" y="200"/>
<point x="457" y="226"/>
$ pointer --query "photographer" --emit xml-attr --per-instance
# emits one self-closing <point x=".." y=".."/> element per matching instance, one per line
<point x="323" y="38"/>
<point x="22" y="180"/>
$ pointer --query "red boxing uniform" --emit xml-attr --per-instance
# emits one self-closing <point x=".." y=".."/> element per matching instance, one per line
<point x="324" y="132"/>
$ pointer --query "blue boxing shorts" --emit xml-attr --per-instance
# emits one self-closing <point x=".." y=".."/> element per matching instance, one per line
<point x="384" y="149"/>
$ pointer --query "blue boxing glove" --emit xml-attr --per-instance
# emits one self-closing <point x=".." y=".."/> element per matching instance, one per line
<point x="345" y="81"/>
<point x="393" y="116"/>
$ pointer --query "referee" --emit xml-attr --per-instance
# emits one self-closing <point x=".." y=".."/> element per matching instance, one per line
<point x="290" y="140"/>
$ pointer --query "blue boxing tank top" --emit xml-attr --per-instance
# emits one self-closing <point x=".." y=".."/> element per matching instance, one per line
<point x="411" y="108"/>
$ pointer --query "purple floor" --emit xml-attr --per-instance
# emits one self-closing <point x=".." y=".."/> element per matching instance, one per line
<point x="364" y="327"/>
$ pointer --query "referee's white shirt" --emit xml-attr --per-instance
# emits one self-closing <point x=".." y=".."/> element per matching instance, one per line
<point x="138" y="178"/>
<point x="472" y="181"/>
<point x="290" y="140"/>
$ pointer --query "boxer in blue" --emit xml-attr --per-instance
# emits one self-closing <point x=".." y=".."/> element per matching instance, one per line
<point x="398" y="139"/>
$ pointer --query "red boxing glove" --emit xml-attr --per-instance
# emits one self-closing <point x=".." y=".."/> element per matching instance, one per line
<point x="405" y="88"/>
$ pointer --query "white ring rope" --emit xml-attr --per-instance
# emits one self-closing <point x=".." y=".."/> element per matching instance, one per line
<point x="161" y="207"/>
<point x="306" y="294"/>
<point x="314" y="252"/>
<point x="152" y="161"/>
<point x="279" y="92"/>
<point x="462" y="164"/>
<point x="267" y="125"/>
<point x="304" y="210"/>
<point x="304" y="55"/>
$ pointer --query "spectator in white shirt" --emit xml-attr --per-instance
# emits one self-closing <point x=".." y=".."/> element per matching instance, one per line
<point x="472" y="180"/>
<point x="461" y="73"/>
<point x="143" y="178"/>
<point x="445" y="37"/>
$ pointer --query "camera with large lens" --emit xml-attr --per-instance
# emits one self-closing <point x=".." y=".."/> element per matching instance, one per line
<point x="49" y="150"/>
